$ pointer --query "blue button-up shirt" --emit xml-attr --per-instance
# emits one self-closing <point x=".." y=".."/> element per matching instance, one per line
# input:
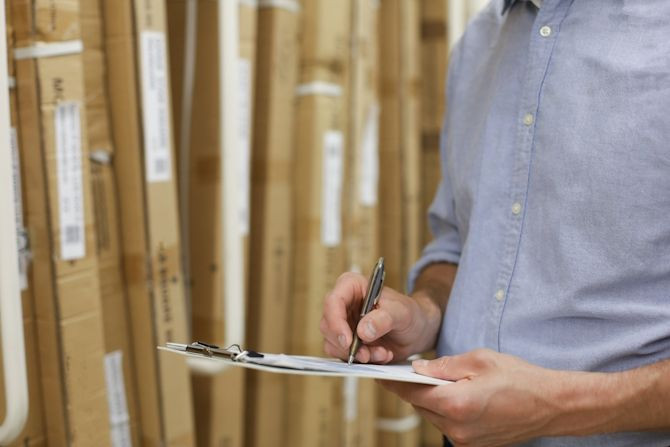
<point x="555" y="191"/>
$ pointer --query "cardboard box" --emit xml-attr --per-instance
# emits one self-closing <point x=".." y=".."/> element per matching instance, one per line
<point x="400" y="204"/>
<point x="219" y="399"/>
<point x="60" y="223"/>
<point x="362" y="224"/>
<point x="136" y="49"/>
<point x="33" y="433"/>
<point x="315" y="403"/>
<point x="434" y="60"/>
<point x="271" y="247"/>
<point x="119" y="361"/>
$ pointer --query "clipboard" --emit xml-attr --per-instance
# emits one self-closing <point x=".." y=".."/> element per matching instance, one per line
<point x="300" y="365"/>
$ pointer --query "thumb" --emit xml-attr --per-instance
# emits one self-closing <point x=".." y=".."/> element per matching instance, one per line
<point x="447" y="368"/>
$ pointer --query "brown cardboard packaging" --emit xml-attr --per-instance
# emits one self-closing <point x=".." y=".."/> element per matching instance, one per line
<point x="60" y="226"/>
<point x="119" y="361"/>
<point x="362" y="198"/>
<point x="315" y="403"/>
<point x="137" y="62"/>
<point x="33" y="433"/>
<point x="219" y="399"/>
<point x="271" y="246"/>
<point x="400" y="208"/>
<point x="434" y="59"/>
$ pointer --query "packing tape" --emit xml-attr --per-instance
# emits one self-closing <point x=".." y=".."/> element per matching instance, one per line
<point x="318" y="88"/>
<point x="249" y="3"/>
<point x="51" y="49"/>
<point x="288" y="5"/>
<point x="101" y="156"/>
<point x="11" y="82"/>
<point x="400" y="425"/>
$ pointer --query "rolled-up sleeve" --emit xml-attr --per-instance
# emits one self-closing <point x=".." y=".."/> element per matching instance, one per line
<point x="446" y="244"/>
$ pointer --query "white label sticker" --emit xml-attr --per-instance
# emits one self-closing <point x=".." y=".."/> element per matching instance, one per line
<point x="155" y="107"/>
<point x="119" y="420"/>
<point x="21" y="234"/>
<point x="331" y="193"/>
<point x="67" y="122"/>
<point x="245" y="143"/>
<point x="369" y="171"/>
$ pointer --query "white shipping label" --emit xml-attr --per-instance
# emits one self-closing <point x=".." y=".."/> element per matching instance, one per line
<point x="331" y="192"/>
<point x="244" y="178"/>
<point x="369" y="170"/>
<point x="155" y="107"/>
<point x="67" y="123"/>
<point x="119" y="419"/>
<point x="21" y="234"/>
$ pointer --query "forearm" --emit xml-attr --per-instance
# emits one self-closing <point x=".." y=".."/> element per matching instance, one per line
<point x="431" y="292"/>
<point x="634" y="400"/>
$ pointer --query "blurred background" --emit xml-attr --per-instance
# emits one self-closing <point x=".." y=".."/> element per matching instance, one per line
<point x="204" y="170"/>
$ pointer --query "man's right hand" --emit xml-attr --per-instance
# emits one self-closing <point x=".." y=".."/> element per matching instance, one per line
<point x="398" y="327"/>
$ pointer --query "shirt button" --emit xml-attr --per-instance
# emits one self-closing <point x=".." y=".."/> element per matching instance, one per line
<point x="500" y="294"/>
<point x="516" y="208"/>
<point x="528" y="119"/>
<point x="545" y="31"/>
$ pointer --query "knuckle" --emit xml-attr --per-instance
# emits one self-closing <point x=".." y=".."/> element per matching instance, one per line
<point x="459" y="435"/>
<point x="459" y="408"/>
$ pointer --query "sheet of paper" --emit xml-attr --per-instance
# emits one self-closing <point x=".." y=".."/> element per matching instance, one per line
<point x="318" y="366"/>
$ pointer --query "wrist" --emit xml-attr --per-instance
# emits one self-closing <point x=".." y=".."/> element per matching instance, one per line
<point x="430" y="322"/>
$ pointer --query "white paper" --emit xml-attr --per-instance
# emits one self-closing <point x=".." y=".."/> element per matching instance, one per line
<point x="331" y="199"/>
<point x="119" y="419"/>
<point x="21" y="234"/>
<point x="67" y="123"/>
<point x="369" y="172"/>
<point x="245" y="143"/>
<point x="155" y="107"/>
<point x="318" y="366"/>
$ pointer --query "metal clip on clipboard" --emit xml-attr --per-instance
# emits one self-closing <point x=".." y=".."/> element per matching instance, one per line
<point x="232" y="352"/>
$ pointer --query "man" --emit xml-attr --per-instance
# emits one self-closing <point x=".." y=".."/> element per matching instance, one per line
<point x="554" y="207"/>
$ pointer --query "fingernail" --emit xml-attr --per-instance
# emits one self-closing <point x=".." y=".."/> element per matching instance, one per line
<point x="342" y="340"/>
<point x="370" y="330"/>
<point x="420" y="363"/>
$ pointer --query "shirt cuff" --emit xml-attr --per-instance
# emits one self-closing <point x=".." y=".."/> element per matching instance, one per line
<point x="431" y="255"/>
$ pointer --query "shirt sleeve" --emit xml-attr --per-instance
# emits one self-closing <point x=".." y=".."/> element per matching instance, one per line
<point x="446" y="244"/>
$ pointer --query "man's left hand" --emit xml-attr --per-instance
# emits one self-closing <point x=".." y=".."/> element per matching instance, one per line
<point x="497" y="399"/>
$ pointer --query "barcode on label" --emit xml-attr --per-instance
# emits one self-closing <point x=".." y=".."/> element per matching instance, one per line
<point x="69" y="173"/>
<point x="155" y="106"/>
<point x="72" y="234"/>
<point x="331" y="225"/>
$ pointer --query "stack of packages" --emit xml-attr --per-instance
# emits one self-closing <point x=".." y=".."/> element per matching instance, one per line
<point x="434" y="52"/>
<point x="196" y="49"/>
<point x="315" y="410"/>
<point x="400" y="180"/>
<point x="271" y="244"/>
<point x="139" y="100"/>
<point x="59" y="221"/>
<point x="362" y="224"/>
<point x="119" y="362"/>
<point x="33" y="433"/>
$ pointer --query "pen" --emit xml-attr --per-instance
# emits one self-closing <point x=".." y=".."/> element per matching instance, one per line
<point x="371" y="297"/>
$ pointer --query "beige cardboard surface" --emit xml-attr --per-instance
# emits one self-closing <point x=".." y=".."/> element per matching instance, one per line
<point x="271" y="247"/>
<point x="149" y="225"/>
<point x="118" y="338"/>
<point x="400" y="235"/>
<point x="67" y="303"/>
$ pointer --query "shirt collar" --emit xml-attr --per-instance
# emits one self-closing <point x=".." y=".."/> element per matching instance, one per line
<point x="508" y="4"/>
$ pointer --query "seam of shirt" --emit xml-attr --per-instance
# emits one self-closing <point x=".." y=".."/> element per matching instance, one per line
<point x="518" y="239"/>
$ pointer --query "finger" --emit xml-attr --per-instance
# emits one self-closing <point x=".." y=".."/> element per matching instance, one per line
<point x="380" y="354"/>
<point x="393" y="314"/>
<point x="457" y="367"/>
<point x="425" y="396"/>
<point x="348" y="291"/>
<point x="334" y="350"/>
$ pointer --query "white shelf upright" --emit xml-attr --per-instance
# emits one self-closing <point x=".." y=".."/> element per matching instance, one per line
<point x="11" y="318"/>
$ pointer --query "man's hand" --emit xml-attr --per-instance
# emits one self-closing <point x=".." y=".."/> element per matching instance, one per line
<point x="400" y="326"/>
<point x="496" y="399"/>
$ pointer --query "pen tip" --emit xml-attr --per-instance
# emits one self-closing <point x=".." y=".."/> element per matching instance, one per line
<point x="351" y="359"/>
